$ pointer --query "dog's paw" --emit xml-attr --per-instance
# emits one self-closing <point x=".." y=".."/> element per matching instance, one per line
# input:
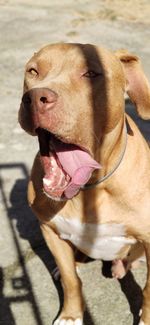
<point x="63" y="321"/>
<point x="141" y="323"/>
<point x="118" y="269"/>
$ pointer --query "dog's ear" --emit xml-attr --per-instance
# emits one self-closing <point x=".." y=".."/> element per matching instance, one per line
<point x="137" y="85"/>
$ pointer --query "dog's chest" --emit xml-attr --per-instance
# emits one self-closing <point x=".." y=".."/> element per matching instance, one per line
<point x="99" y="241"/>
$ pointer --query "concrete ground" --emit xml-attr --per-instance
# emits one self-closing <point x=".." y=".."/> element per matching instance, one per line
<point x="28" y="295"/>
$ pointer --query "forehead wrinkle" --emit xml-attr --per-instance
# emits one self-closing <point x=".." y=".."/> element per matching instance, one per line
<point x="82" y="56"/>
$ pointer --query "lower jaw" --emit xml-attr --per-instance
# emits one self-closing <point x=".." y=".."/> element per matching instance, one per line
<point x="55" y="198"/>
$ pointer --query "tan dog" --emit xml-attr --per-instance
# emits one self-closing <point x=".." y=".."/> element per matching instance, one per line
<point x="74" y="102"/>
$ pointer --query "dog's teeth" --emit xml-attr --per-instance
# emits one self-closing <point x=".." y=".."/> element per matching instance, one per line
<point x="47" y="182"/>
<point x="53" y="161"/>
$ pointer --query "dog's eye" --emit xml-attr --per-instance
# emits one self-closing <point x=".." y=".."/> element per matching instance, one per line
<point x="91" y="74"/>
<point x="33" y="72"/>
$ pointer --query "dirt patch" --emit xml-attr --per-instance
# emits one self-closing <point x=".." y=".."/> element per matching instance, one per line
<point x="130" y="11"/>
<point x="135" y="11"/>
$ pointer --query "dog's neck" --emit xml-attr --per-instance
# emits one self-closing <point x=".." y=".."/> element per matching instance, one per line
<point x="110" y="153"/>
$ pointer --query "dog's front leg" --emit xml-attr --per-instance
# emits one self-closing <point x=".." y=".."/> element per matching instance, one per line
<point x="145" y="317"/>
<point x="72" y="312"/>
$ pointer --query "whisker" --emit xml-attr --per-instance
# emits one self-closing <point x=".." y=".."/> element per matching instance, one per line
<point x="95" y="136"/>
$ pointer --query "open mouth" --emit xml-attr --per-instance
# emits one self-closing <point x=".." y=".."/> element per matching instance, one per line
<point x="67" y="167"/>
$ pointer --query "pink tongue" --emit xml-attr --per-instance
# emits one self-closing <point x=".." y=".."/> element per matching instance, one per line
<point x="78" y="164"/>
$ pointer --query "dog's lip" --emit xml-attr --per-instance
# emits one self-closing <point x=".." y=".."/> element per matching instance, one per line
<point x="55" y="179"/>
<point x="62" y="139"/>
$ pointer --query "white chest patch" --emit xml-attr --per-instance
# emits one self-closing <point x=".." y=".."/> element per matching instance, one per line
<point x="99" y="241"/>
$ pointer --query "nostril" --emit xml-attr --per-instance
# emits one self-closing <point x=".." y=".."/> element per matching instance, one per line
<point x="26" y="100"/>
<point x="43" y="100"/>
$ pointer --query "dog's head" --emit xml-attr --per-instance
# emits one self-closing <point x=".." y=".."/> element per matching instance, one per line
<point x="73" y="96"/>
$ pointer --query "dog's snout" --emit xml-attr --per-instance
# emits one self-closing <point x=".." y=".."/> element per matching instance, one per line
<point x="40" y="99"/>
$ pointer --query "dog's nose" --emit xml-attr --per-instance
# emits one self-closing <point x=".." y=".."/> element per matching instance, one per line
<point x="40" y="99"/>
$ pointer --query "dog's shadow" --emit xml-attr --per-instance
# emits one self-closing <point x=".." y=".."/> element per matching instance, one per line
<point x="134" y="295"/>
<point x="28" y="228"/>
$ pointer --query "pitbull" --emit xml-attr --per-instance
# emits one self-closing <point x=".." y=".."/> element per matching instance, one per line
<point x="90" y="181"/>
